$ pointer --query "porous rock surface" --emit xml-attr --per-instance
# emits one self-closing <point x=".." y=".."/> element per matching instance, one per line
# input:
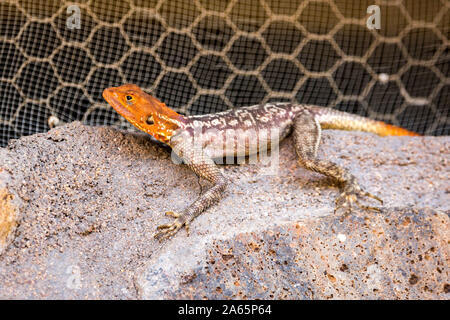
<point x="79" y="207"/>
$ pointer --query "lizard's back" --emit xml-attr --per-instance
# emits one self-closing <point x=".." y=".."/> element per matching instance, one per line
<point x="242" y="131"/>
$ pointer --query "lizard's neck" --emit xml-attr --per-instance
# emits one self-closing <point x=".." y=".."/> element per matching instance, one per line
<point x="166" y="126"/>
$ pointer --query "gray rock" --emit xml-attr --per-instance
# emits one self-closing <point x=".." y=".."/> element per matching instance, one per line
<point x="91" y="198"/>
<point x="395" y="254"/>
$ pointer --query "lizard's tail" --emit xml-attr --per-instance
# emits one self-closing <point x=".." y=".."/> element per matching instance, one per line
<point x="334" y="119"/>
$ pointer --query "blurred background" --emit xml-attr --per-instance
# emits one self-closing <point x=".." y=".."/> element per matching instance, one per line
<point x="202" y="56"/>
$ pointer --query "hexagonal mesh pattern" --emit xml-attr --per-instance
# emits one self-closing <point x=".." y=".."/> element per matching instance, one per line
<point x="203" y="56"/>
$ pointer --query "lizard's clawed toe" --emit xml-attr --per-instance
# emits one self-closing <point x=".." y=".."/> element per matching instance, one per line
<point x="168" y="230"/>
<point x="172" y="214"/>
<point x="352" y="197"/>
<point x="367" y="194"/>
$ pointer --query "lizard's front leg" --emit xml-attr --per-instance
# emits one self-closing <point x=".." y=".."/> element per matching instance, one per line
<point x="204" y="167"/>
<point x="306" y="134"/>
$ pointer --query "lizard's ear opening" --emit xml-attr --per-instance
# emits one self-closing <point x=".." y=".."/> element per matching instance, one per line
<point x="149" y="120"/>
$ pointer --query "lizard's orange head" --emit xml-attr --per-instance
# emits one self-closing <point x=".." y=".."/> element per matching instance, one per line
<point x="144" y="111"/>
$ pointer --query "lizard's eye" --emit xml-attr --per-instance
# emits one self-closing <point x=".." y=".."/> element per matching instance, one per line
<point x="129" y="98"/>
<point x="150" y="120"/>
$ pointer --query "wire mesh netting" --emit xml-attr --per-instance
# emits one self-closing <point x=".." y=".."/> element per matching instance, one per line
<point x="204" y="56"/>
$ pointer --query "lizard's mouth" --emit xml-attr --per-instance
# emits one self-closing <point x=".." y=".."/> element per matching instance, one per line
<point x="113" y="99"/>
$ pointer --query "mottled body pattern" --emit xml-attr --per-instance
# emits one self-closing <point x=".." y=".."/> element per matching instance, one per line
<point x="201" y="138"/>
<point x="240" y="132"/>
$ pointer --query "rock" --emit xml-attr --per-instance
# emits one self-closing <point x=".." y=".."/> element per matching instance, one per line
<point x="88" y="201"/>
<point x="10" y="206"/>
<point x="396" y="254"/>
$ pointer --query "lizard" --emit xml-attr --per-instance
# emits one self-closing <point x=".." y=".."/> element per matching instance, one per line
<point x="199" y="139"/>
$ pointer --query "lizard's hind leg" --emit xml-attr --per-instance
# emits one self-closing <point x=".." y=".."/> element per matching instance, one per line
<point x="307" y="132"/>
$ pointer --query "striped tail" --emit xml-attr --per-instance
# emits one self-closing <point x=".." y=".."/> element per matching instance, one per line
<point x="334" y="119"/>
